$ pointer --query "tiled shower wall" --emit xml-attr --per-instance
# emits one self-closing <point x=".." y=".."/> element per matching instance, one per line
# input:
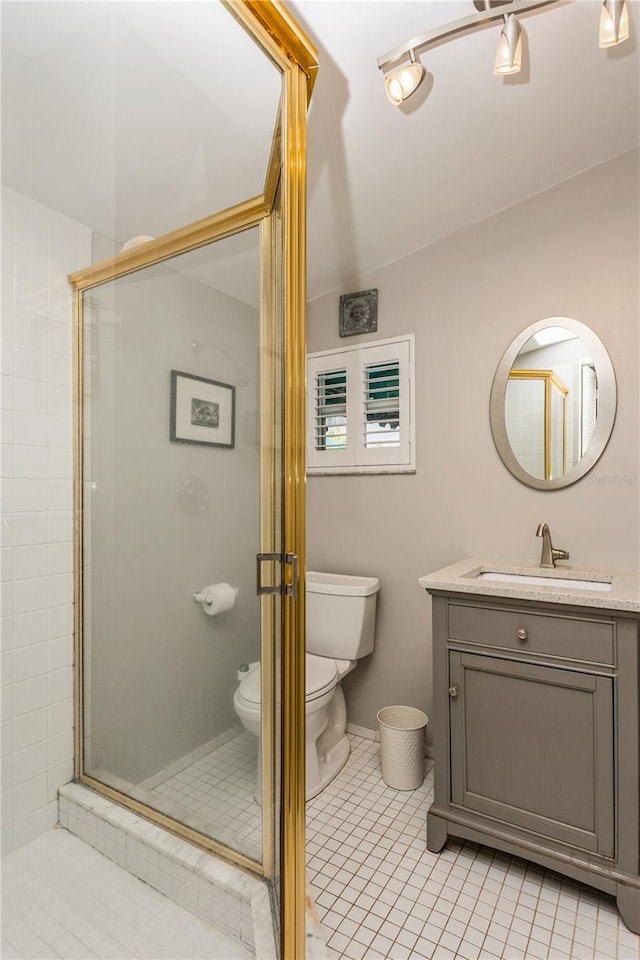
<point x="524" y="412"/>
<point x="39" y="249"/>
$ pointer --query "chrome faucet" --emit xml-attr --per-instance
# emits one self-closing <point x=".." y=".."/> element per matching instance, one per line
<point x="549" y="552"/>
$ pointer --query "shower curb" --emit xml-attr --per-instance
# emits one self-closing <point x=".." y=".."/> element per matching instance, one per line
<point x="215" y="892"/>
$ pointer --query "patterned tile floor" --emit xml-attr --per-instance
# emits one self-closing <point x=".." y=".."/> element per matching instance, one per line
<point x="215" y="795"/>
<point x="381" y="894"/>
<point x="61" y="898"/>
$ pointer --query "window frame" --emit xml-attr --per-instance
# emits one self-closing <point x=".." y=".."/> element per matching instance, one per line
<point x="355" y="457"/>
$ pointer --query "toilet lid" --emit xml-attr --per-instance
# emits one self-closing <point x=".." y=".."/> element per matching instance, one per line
<point x="321" y="675"/>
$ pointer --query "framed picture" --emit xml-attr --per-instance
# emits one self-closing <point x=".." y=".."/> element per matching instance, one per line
<point x="202" y="411"/>
<point x="358" y="313"/>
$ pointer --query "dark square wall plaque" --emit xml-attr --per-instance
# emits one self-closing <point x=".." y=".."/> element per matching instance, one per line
<point x="358" y="313"/>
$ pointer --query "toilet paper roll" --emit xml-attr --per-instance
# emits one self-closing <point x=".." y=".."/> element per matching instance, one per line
<point x="218" y="598"/>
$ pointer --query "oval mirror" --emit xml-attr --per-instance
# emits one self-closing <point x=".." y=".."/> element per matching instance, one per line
<point x="553" y="403"/>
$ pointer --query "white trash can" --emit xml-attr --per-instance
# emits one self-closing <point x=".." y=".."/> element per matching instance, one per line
<point x="402" y="732"/>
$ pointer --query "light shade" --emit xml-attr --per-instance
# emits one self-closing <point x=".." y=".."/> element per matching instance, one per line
<point x="614" y="23"/>
<point x="509" y="52"/>
<point x="403" y="81"/>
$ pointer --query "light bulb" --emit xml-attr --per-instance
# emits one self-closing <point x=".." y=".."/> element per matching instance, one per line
<point x="401" y="83"/>
<point x="614" y="23"/>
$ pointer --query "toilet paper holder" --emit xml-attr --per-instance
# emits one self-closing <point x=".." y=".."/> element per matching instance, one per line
<point x="221" y="596"/>
<point x="202" y="597"/>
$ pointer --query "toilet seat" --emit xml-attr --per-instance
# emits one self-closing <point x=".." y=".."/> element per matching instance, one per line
<point x="321" y="677"/>
<point x="249" y="689"/>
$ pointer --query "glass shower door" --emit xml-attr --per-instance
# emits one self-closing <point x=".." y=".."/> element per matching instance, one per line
<point x="181" y="463"/>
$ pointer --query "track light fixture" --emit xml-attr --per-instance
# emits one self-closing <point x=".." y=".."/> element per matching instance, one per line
<point x="614" y="23"/>
<point x="509" y="52"/>
<point x="401" y="81"/>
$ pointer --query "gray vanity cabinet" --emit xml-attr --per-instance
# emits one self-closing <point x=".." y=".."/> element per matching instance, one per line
<point x="525" y="743"/>
<point x="536" y="740"/>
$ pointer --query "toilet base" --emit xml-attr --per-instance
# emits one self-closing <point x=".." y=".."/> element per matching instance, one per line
<point x="327" y="745"/>
<point x="330" y="766"/>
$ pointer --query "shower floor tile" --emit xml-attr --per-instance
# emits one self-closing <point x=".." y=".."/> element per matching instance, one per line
<point x="381" y="895"/>
<point x="215" y="795"/>
<point x="61" y="898"/>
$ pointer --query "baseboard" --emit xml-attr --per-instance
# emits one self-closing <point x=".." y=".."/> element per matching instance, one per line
<point x="363" y="732"/>
<point x="179" y="765"/>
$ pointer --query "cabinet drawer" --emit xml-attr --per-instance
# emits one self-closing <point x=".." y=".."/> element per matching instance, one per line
<point x="574" y="638"/>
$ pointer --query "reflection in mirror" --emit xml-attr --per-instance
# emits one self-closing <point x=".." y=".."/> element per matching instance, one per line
<point x="172" y="494"/>
<point x="553" y="403"/>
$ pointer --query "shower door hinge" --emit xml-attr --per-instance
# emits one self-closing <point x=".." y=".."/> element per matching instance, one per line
<point x="291" y="588"/>
<point x="288" y="589"/>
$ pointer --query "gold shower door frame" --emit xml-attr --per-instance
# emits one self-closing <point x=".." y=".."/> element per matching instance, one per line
<point x="549" y="380"/>
<point x="280" y="214"/>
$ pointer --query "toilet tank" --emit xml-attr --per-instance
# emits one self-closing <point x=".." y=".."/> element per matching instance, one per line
<point x="341" y="614"/>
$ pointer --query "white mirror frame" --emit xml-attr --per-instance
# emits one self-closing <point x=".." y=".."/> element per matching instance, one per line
<point x="607" y="399"/>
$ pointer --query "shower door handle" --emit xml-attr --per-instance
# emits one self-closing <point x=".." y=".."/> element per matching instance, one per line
<point x="289" y="589"/>
<point x="261" y="589"/>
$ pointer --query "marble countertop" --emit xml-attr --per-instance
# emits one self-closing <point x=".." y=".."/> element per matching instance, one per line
<point x="462" y="577"/>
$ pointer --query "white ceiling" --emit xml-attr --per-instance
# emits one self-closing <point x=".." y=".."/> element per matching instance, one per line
<point x="120" y="114"/>
<point x="137" y="117"/>
<point x="385" y="181"/>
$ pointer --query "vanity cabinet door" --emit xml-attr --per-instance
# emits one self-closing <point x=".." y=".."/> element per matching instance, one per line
<point x="532" y="746"/>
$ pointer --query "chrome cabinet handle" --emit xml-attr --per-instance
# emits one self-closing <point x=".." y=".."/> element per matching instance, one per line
<point x="453" y="691"/>
<point x="522" y="634"/>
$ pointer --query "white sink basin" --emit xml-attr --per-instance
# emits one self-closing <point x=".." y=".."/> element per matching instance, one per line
<point x="544" y="580"/>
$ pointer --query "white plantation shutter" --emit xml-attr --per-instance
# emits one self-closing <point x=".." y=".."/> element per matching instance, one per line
<point x="328" y="435"/>
<point x="381" y="402"/>
<point x="360" y="408"/>
<point x="331" y="410"/>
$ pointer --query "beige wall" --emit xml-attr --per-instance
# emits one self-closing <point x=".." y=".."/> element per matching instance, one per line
<point x="166" y="520"/>
<point x="570" y="251"/>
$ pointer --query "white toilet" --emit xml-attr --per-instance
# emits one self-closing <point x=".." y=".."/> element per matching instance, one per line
<point x="340" y="617"/>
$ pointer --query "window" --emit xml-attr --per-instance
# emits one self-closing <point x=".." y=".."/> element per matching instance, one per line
<point x="360" y="408"/>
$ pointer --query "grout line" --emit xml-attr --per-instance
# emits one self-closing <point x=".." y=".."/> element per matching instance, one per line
<point x="468" y="902"/>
